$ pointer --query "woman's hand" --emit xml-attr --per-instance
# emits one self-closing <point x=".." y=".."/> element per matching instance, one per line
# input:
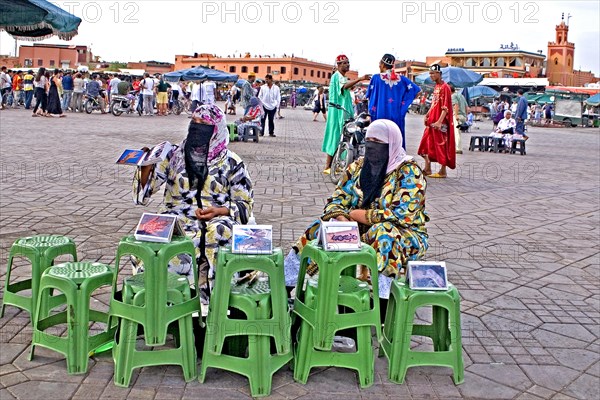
<point x="359" y="216"/>
<point x="341" y="218"/>
<point x="436" y="125"/>
<point x="206" y="214"/>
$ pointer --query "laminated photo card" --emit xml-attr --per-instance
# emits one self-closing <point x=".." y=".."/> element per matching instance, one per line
<point x="252" y="239"/>
<point x="339" y="236"/>
<point x="140" y="157"/>
<point x="427" y="275"/>
<point x="158" y="228"/>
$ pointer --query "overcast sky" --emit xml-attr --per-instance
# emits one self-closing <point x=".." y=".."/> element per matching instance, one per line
<point x="320" y="30"/>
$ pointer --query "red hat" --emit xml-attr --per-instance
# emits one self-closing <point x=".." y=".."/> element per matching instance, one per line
<point x="341" y="58"/>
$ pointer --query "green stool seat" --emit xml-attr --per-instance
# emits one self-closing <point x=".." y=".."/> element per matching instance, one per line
<point x="264" y="304"/>
<point x="77" y="281"/>
<point x="445" y="331"/>
<point x="353" y="295"/>
<point x="233" y="136"/>
<point x="41" y="251"/>
<point x="323" y="315"/>
<point x="155" y="314"/>
<point x="125" y="354"/>
<point x="155" y="301"/>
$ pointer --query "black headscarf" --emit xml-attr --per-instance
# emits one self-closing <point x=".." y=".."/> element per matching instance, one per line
<point x="373" y="171"/>
<point x="196" y="155"/>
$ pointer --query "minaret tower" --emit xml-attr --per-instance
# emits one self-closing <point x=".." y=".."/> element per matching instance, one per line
<point x="561" y="53"/>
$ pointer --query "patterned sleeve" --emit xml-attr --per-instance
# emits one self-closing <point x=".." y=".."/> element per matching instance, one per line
<point x="158" y="176"/>
<point x="241" y="191"/>
<point x="410" y="93"/>
<point x="407" y="202"/>
<point x="340" y="202"/>
<point x="445" y="98"/>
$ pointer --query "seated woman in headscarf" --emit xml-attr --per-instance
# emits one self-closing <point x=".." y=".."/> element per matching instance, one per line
<point x="384" y="192"/>
<point x="251" y="118"/>
<point x="207" y="187"/>
<point x="506" y="129"/>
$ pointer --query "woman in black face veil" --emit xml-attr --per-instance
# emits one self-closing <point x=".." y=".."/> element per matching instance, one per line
<point x="385" y="193"/>
<point x="207" y="187"/>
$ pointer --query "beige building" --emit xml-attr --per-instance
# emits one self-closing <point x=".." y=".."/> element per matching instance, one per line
<point x="286" y="68"/>
<point x="508" y="62"/>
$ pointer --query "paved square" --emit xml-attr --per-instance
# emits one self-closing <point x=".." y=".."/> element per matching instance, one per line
<point x="520" y="236"/>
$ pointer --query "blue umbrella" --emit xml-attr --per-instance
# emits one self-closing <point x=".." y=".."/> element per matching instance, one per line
<point x="481" y="91"/>
<point x="36" y="20"/>
<point x="459" y="77"/>
<point x="476" y="92"/>
<point x="199" y="74"/>
<point x="593" y="100"/>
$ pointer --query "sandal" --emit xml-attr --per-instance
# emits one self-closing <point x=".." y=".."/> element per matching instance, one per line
<point x="327" y="171"/>
<point x="437" y="175"/>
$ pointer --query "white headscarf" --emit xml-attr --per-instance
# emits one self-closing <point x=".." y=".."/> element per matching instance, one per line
<point x="388" y="132"/>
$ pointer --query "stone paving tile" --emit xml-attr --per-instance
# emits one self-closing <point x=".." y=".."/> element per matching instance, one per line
<point x="584" y="387"/>
<point x="6" y="395"/>
<point x="480" y="388"/>
<point x="528" y="282"/>
<point x="43" y="390"/>
<point x="509" y="375"/>
<point x="89" y="391"/>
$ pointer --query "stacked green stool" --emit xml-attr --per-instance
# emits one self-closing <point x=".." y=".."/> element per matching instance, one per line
<point x="158" y="302"/>
<point x="77" y="281"/>
<point x="41" y="251"/>
<point x="445" y="331"/>
<point x="335" y="302"/>
<point x="264" y="304"/>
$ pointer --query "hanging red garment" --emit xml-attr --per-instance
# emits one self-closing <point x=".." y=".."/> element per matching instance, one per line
<point x="439" y="146"/>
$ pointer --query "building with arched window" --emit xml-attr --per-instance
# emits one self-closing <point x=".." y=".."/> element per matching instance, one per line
<point x="507" y="62"/>
<point x="286" y="68"/>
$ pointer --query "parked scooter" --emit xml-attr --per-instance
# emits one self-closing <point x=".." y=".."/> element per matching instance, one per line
<point x="120" y="104"/>
<point x="352" y="142"/>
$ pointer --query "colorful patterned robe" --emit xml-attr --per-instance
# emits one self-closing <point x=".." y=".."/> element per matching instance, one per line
<point x="398" y="233"/>
<point x="227" y="185"/>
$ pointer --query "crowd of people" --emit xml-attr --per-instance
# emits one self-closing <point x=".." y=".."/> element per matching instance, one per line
<point x="51" y="93"/>
<point x="209" y="188"/>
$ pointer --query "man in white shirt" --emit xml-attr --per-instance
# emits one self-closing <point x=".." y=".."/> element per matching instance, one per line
<point x="270" y="96"/>
<point x="196" y="95"/>
<point x="208" y="92"/>
<point x="147" y="90"/>
<point x="5" y="86"/>
<point x="114" y="82"/>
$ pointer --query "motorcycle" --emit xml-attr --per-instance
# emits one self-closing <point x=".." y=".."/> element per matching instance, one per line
<point x="91" y="103"/>
<point x="352" y="142"/>
<point x="120" y="104"/>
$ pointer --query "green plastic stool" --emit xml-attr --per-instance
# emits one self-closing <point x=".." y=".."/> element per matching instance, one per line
<point x="41" y="251"/>
<point x="77" y="281"/>
<point x="155" y="314"/>
<point x="323" y="315"/>
<point x="233" y="136"/>
<point x="445" y="331"/>
<point x="125" y="355"/>
<point x="265" y="306"/>
<point x="355" y="296"/>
